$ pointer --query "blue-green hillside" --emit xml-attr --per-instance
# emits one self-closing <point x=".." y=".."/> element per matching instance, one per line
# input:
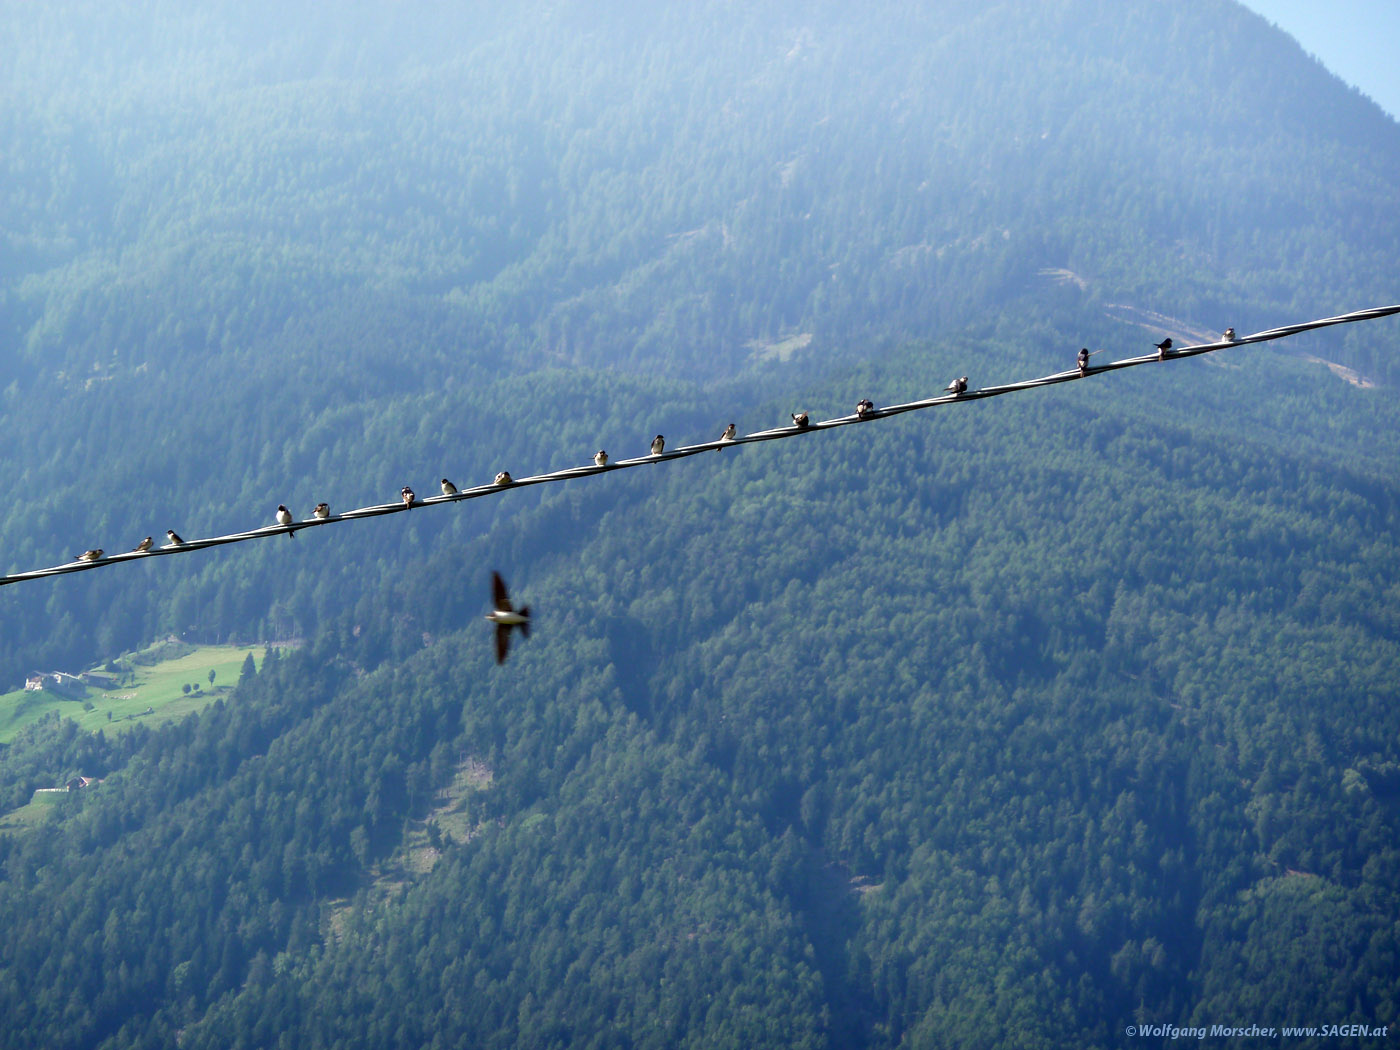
<point x="1010" y="723"/>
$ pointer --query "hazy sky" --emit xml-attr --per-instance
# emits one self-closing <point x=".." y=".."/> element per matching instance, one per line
<point x="1355" y="39"/>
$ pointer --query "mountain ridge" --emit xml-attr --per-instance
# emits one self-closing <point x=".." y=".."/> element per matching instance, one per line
<point x="1069" y="684"/>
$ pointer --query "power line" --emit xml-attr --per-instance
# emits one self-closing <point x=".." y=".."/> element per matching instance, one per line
<point x="1068" y="376"/>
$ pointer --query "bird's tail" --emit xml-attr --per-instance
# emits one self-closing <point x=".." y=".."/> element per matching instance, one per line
<point x="525" y="627"/>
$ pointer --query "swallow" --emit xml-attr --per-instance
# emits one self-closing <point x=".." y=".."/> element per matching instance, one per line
<point x="323" y="510"/>
<point x="728" y="434"/>
<point x="448" y="489"/>
<point x="1083" y="360"/>
<point x="957" y="386"/>
<point x="504" y="478"/>
<point x="600" y="458"/>
<point x="505" y="616"/>
<point x="92" y="555"/>
<point x="407" y="494"/>
<point x="658" y="445"/>
<point x="1162" y="348"/>
<point x="175" y="540"/>
<point x="143" y="546"/>
<point x="1228" y="336"/>
<point x="284" y="517"/>
<point x="799" y="420"/>
<point x="864" y="407"/>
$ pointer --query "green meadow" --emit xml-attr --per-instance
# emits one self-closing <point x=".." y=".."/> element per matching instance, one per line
<point x="38" y="810"/>
<point x="149" y="694"/>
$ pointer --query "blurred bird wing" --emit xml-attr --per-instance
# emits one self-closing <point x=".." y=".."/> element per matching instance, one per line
<point x="502" y="642"/>
<point x="499" y="595"/>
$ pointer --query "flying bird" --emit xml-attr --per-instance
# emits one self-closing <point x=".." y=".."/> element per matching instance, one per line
<point x="728" y="434"/>
<point x="864" y="407"/>
<point x="323" y="510"/>
<point x="1162" y="348"/>
<point x="408" y="497"/>
<point x="143" y="546"/>
<point x="1083" y="360"/>
<point x="505" y="617"/>
<point x="448" y="489"/>
<point x="1228" y="336"/>
<point x="957" y="386"/>
<point x="92" y="555"/>
<point x="600" y="458"/>
<point x="504" y="478"/>
<point x="799" y="420"/>
<point x="175" y="540"/>
<point x="284" y="517"/>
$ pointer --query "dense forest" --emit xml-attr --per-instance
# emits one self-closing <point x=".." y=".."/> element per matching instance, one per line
<point x="247" y="268"/>
<point x="1011" y="723"/>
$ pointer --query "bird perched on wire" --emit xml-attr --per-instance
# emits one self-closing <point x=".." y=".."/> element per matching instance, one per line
<point x="506" y="617"/>
<point x="143" y="546"/>
<point x="600" y="458"/>
<point x="658" y="445"/>
<point x="1083" y="360"/>
<point x="448" y="489"/>
<point x="864" y="407"/>
<point x="1229" y="335"/>
<point x="92" y="555"/>
<point x="174" y="538"/>
<point x="406" y="494"/>
<point x="504" y="478"/>
<point x="284" y="517"/>
<point x="800" y="420"/>
<point x="729" y="433"/>
<point x="1162" y="348"/>
<point x="957" y="386"/>
<point x="322" y="511"/>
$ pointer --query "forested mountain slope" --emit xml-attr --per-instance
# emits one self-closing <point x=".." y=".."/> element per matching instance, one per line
<point x="248" y="266"/>
<point x="1010" y="723"/>
<point x="621" y="183"/>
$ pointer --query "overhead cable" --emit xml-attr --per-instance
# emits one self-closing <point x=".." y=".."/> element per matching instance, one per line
<point x="1068" y="376"/>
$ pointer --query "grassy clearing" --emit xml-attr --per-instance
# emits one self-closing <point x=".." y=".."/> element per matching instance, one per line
<point x="782" y="350"/>
<point x="154" y="695"/>
<point x="451" y="817"/>
<point x="39" y="810"/>
<point x="450" y="820"/>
